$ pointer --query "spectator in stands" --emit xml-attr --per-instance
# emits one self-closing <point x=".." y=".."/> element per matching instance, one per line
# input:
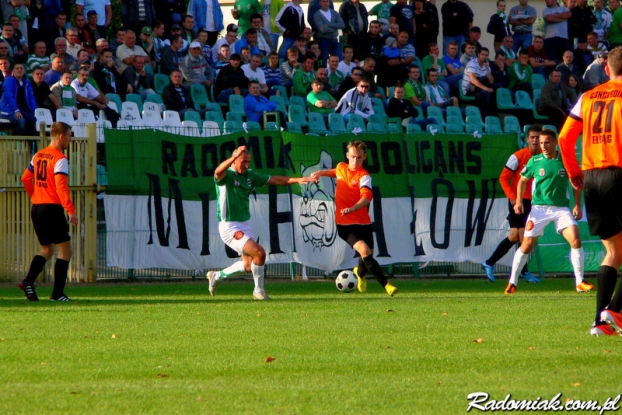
<point x="41" y="91"/>
<point x="264" y="42"/>
<point x="396" y="67"/>
<point x="477" y="82"/>
<point x="595" y="73"/>
<point x="206" y="49"/>
<point x="64" y="96"/>
<point x="177" y="97"/>
<point x="567" y="68"/>
<point x="243" y="11"/>
<point x="314" y="6"/>
<point x="88" y="36"/>
<point x="354" y="15"/>
<point x="245" y="55"/>
<point x="88" y="97"/>
<point x="73" y="45"/>
<point x="271" y="9"/>
<point x="469" y="53"/>
<point x="369" y="66"/>
<point x="322" y="75"/>
<point x="499" y="71"/>
<point x="507" y="47"/>
<point x="402" y="15"/>
<point x="435" y="94"/>
<point x="556" y="39"/>
<point x="603" y="20"/>
<point x="433" y="61"/>
<point x="291" y="21"/>
<point x="356" y="101"/>
<point x="60" y="45"/>
<point x="176" y="30"/>
<point x="253" y="72"/>
<point x="350" y="82"/>
<point x="157" y="31"/>
<point x="334" y="75"/>
<point x="574" y="82"/>
<point x="171" y="56"/>
<point x="224" y="54"/>
<point x="102" y="9"/>
<point x="320" y="101"/>
<point x="231" y="80"/>
<point x="126" y="52"/>
<point x="582" y="56"/>
<point x="475" y="33"/>
<point x="170" y="11"/>
<point x="249" y="40"/>
<point x="452" y="62"/>
<point x="229" y="40"/>
<point x="372" y="41"/>
<point x="208" y="16"/>
<point x="195" y="69"/>
<point x="18" y="35"/>
<point x="581" y="20"/>
<point x="499" y="25"/>
<point x="615" y="29"/>
<point x="554" y="101"/>
<point x="457" y="19"/>
<point x="83" y="59"/>
<point x="109" y="81"/>
<point x="15" y="51"/>
<point x="522" y="18"/>
<point x="142" y="82"/>
<point x="594" y="46"/>
<point x="328" y="23"/>
<point x="426" y="26"/>
<point x="272" y="71"/>
<point x="118" y="40"/>
<point x="54" y="31"/>
<point x="18" y="103"/>
<point x="53" y="74"/>
<point x="301" y="82"/>
<point x="394" y="30"/>
<point x="347" y="65"/>
<point x="146" y="41"/>
<point x="414" y="92"/>
<point x="136" y="14"/>
<point x="255" y="105"/>
<point x="382" y="10"/>
<point x="38" y="59"/>
<point x="538" y="57"/>
<point x="521" y="73"/>
<point x="402" y="108"/>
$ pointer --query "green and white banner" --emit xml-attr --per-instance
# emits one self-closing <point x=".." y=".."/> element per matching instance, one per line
<point x="436" y="198"/>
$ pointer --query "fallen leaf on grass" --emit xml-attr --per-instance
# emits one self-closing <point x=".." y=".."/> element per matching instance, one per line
<point x="269" y="359"/>
<point x="94" y="393"/>
<point x="161" y="375"/>
<point x="576" y="384"/>
<point x="478" y="341"/>
<point x="532" y="347"/>
<point x="444" y="313"/>
<point x="114" y="336"/>
<point x="2" y="338"/>
<point x="200" y="398"/>
<point x="389" y="311"/>
<point x="258" y="314"/>
<point x="44" y="364"/>
<point x="604" y="351"/>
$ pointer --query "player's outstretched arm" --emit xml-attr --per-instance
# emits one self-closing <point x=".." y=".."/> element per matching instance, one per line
<point x="286" y="181"/>
<point x="323" y="173"/>
<point x="221" y="170"/>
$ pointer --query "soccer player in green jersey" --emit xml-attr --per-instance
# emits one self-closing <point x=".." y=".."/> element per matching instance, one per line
<point x="549" y="204"/>
<point x="234" y="184"/>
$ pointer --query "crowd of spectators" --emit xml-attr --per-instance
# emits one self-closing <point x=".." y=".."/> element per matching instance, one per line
<point x="390" y="52"/>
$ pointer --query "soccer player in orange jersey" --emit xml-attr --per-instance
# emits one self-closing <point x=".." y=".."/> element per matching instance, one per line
<point x="353" y="195"/>
<point x="598" y="116"/>
<point x="49" y="193"/>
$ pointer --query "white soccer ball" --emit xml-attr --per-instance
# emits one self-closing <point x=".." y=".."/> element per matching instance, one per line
<point x="346" y="281"/>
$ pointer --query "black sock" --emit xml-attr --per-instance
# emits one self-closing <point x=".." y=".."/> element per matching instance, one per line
<point x="60" y="277"/>
<point x="362" y="271"/>
<point x="374" y="268"/>
<point x="502" y="249"/>
<point x="616" y="301"/>
<point x="36" y="266"/>
<point x="605" y="284"/>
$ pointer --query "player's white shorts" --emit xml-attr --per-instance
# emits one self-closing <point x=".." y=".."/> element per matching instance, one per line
<point x="542" y="215"/>
<point x="235" y="234"/>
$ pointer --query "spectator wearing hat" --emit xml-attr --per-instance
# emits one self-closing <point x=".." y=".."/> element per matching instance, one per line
<point x="208" y="16"/>
<point x="291" y="22"/>
<point x="195" y="69"/>
<point x="177" y="97"/>
<point x="136" y="14"/>
<point x="475" y="33"/>
<point x="320" y="101"/>
<point x="595" y="73"/>
<point x="142" y="82"/>
<point x="231" y="80"/>
<point x="146" y="41"/>
<point x="582" y="55"/>
<point x="229" y="39"/>
<point x="101" y="8"/>
<point x="177" y="30"/>
<point x="129" y="48"/>
<point x="171" y="55"/>
<point x="93" y="29"/>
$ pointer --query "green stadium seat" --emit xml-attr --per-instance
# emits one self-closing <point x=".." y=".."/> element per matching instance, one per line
<point x="504" y="100"/>
<point x="296" y="113"/>
<point x="377" y="118"/>
<point x="235" y="116"/>
<point x="116" y="99"/>
<point x="216" y="117"/>
<point x="160" y="82"/>
<point x="283" y="92"/>
<point x="316" y="124"/>
<point x="294" y="127"/>
<point x="376" y="128"/>
<point x="298" y="101"/>
<point x="511" y="124"/>
<point x="437" y="114"/>
<point x="137" y="99"/>
<point x="198" y="93"/>
<point x="236" y="104"/>
<point x="523" y="100"/>
<point x="434" y="127"/>
<point x="464" y="98"/>
<point x="213" y="107"/>
<point x="454" y="112"/>
<point x="378" y="106"/>
<point x="492" y="120"/>
<point x="336" y="123"/>
<point x="253" y="126"/>
<point x="454" y="128"/>
<point x="536" y="101"/>
<point x="537" y="81"/>
<point x="474" y="113"/>
<point x="193" y="116"/>
<point x="280" y="102"/>
<point x="413" y="129"/>
<point x="233" y="127"/>
<point x="550" y="127"/>
<point x="493" y="129"/>
<point x="356" y="121"/>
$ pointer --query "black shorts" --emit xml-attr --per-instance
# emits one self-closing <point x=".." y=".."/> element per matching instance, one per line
<point x="518" y="221"/>
<point x="354" y="233"/>
<point x="603" y="201"/>
<point x="50" y="224"/>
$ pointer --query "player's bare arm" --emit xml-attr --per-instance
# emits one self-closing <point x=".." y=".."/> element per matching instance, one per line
<point x="322" y="173"/>
<point x="577" y="210"/>
<point x="520" y="189"/>
<point x="221" y="170"/>
<point x="363" y="202"/>
<point x="287" y="181"/>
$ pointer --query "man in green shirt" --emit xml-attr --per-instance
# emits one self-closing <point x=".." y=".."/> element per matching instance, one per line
<point x="520" y="73"/>
<point x="303" y="77"/>
<point x="320" y="101"/>
<point x="242" y="11"/>
<point x="414" y="92"/>
<point x="235" y="182"/>
<point x="615" y="30"/>
<point x="382" y="10"/>
<point x="549" y="204"/>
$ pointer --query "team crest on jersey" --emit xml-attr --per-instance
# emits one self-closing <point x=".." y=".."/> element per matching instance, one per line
<point x="562" y="173"/>
<point x="238" y="235"/>
<point x="235" y="182"/>
<point x="529" y="225"/>
<point x="542" y="172"/>
<point x="353" y="183"/>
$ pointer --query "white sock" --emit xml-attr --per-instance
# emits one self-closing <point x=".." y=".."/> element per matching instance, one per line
<point x="230" y="270"/>
<point x="518" y="263"/>
<point x="258" y="276"/>
<point x="577" y="259"/>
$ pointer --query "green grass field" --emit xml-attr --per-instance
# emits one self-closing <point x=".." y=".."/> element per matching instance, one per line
<point x="171" y="348"/>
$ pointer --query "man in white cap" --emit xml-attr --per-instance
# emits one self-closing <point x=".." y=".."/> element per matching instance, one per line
<point x="194" y="67"/>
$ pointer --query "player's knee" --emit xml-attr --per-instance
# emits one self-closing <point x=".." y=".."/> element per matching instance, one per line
<point x="260" y="254"/>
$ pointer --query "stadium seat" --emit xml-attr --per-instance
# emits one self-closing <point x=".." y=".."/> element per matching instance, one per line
<point x="215" y="117"/>
<point x="137" y="99"/>
<point x="193" y="116"/>
<point x="492" y="120"/>
<point x="171" y="118"/>
<point x="130" y="113"/>
<point x="235" y="116"/>
<point x="376" y="128"/>
<point x="43" y="115"/>
<point x="549" y="127"/>
<point x="378" y="118"/>
<point x="198" y="93"/>
<point x="116" y="99"/>
<point x="523" y="100"/>
<point x="436" y="113"/>
<point x="536" y="101"/>
<point x="272" y="126"/>
<point x="213" y="107"/>
<point x="294" y="127"/>
<point x="283" y="92"/>
<point x="336" y="123"/>
<point x="392" y="91"/>
<point x="151" y="118"/>
<point x="156" y="99"/>
<point x="413" y="128"/>
<point x="65" y="115"/>
<point x="476" y="123"/>
<point x="86" y="116"/>
<point x="464" y="98"/>
<point x="252" y="126"/>
<point x="101" y="124"/>
<point x="213" y="98"/>
<point x="537" y="81"/>
<point x="316" y="124"/>
<point x="122" y="125"/>
<point x="356" y="121"/>
<point x="434" y="128"/>
<point x="474" y="112"/>
<point x="232" y="127"/>
<point x="191" y="128"/>
<point x="454" y="112"/>
<point x="454" y="124"/>
<point x="211" y="129"/>
<point x="504" y="100"/>
<point x="378" y="106"/>
<point x="280" y="102"/>
<point x="102" y="175"/>
<point x="236" y="105"/>
<point x="511" y="124"/>
<point x="473" y="128"/>
<point x="160" y="81"/>
<point x="493" y="129"/>
<point x="296" y="113"/>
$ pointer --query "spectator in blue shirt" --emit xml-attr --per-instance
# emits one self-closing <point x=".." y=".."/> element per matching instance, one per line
<point x="255" y="104"/>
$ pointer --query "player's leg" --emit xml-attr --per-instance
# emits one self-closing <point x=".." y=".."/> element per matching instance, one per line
<point x="61" y="266"/>
<point x="257" y="266"/>
<point x="520" y="259"/>
<point x="506" y="244"/>
<point x="608" y="308"/>
<point x="362" y="246"/>
<point x="577" y="257"/>
<point x="36" y="266"/>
